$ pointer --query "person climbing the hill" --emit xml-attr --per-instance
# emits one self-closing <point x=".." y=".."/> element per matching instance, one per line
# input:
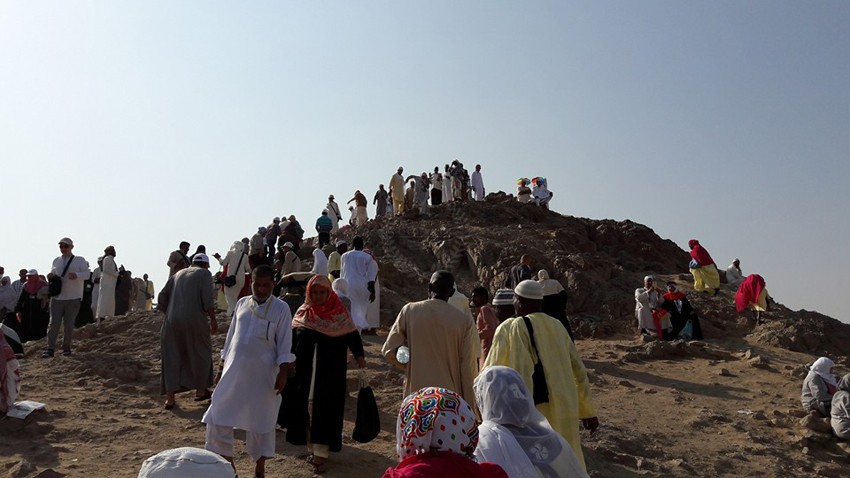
<point x="648" y="311"/>
<point x="442" y="341"/>
<point x="734" y="276"/>
<point x="360" y="202"/>
<point x="360" y="270"/>
<point x="703" y="269"/>
<point x="324" y="226"/>
<point x="335" y="260"/>
<point x="503" y="304"/>
<point x="519" y="272"/>
<point x="681" y="312"/>
<point x="819" y="386"/>
<point x="752" y="294"/>
<point x="485" y="319"/>
<point x="539" y="348"/>
<point x="254" y="364"/>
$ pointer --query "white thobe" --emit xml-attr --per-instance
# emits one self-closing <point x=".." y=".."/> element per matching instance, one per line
<point x="373" y="314"/>
<point x="106" y="291"/>
<point x="645" y="302"/>
<point x="734" y="275"/>
<point x="335" y="215"/>
<point x="95" y="291"/>
<point x="447" y="188"/>
<point x="358" y="269"/>
<point x="478" y="185"/>
<point x="258" y="342"/>
<point x="542" y="196"/>
<point x="320" y="262"/>
<point x="231" y="260"/>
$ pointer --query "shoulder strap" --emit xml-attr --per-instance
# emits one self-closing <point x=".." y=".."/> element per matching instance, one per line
<point x="64" y="271"/>
<point x="531" y="335"/>
<point x="241" y="256"/>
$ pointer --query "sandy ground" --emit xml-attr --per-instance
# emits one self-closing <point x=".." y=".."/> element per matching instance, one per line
<point x="664" y="411"/>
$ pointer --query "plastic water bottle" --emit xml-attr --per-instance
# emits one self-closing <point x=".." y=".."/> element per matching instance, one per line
<point x="403" y="354"/>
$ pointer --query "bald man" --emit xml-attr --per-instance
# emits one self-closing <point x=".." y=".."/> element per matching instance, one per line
<point x="442" y="341"/>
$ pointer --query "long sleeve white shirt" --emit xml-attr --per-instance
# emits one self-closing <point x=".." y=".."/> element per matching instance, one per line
<point x="71" y="288"/>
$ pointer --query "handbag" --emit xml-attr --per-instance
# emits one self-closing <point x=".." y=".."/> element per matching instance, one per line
<point x="367" y="425"/>
<point x="54" y="285"/>
<point x="230" y="280"/>
<point x="538" y="377"/>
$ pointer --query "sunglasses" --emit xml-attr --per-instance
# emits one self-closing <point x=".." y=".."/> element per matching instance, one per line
<point x="64" y="246"/>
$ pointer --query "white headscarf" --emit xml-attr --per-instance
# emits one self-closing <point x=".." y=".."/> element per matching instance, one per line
<point x="186" y="462"/>
<point x="320" y="262"/>
<point x="550" y="286"/>
<point x="822" y="367"/>
<point x="8" y="296"/>
<point x="340" y="286"/>
<point x="514" y="434"/>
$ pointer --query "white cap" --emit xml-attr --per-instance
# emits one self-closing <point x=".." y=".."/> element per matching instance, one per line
<point x="66" y="240"/>
<point x="184" y="463"/>
<point x="201" y="258"/>
<point x="32" y="272"/>
<point x="289" y="245"/>
<point x="529" y="289"/>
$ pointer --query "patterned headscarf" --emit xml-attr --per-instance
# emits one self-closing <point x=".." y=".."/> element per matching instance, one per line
<point x="331" y="318"/>
<point x="435" y="419"/>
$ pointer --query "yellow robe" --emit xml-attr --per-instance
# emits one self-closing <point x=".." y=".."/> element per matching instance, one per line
<point x="569" y="388"/>
<point x="334" y="264"/>
<point x="706" y="278"/>
<point x="150" y="291"/>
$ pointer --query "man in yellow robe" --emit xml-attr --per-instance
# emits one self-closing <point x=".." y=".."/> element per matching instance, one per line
<point x="335" y="261"/>
<point x="148" y="293"/>
<point x="568" y="388"/>
<point x="397" y="192"/>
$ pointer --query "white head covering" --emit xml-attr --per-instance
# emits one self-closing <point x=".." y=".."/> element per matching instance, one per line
<point x="550" y="286"/>
<point x="186" y="463"/>
<point x="529" y="289"/>
<point x="514" y="434"/>
<point x="503" y="297"/>
<point x="8" y="296"/>
<point x="821" y="367"/>
<point x="201" y="258"/>
<point x="340" y="286"/>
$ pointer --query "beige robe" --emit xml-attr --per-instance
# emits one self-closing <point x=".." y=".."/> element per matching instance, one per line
<point x="442" y="342"/>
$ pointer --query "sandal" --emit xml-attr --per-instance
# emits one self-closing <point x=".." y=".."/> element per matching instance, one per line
<point x="169" y="406"/>
<point x="318" y="468"/>
<point x="203" y="397"/>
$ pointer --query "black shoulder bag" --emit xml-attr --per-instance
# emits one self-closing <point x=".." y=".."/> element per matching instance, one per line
<point x="230" y="280"/>
<point x="538" y="377"/>
<point x="54" y="285"/>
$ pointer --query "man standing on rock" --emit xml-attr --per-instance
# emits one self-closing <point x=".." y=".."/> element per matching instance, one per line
<point x="186" y="345"/>
<point x="334" y="213"/>
<point x="539" y="348"/>
<point x="380" y="201"/>
<point x="324" y="226"/>
<point x="442" y="342"/>
<point x="436" y="187"/>
<point x="178" y="260"/>
<point x="397" y="192"/>
<point x="255" y="360"/>
<point x="360" y="270"/>
<point x="478" y="183"/>
<point x="71" y="272"/>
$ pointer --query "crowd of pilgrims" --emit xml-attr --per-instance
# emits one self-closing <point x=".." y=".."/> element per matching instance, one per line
<point x="493" y="384"/>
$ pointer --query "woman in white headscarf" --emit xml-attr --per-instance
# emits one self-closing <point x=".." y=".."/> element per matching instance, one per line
<point x="514" y="434"/>
<point x="819" y="386"/>
<point x="236" y="264"/>
<point x="340" y="287"/>
<point x="554" y="300"/>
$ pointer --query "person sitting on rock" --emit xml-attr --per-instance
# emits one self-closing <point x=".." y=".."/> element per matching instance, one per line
<point x="648" y="311"/>
<point x="734" y="276"/>
<point x="681" y="312"/>
<point x="752" y="294"/>
<point x="840" y="416"/>
<point x="523" y="192"/>
<point x="819" y="387"/>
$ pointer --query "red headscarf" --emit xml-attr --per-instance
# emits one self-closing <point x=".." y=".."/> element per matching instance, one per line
<point x="749" y="291"/>
<point x="699" y="253"/>
<point x="331" y="318"/>
<point x="33" y="284"/>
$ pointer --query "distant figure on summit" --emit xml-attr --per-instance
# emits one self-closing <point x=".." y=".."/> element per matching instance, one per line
<point x="380" y="201"/>
<point x="703" y="268"/>
<point x="478" y="183"/>
<point x="178" y="260"/>
<point x="397" y="192"/>
<point x="734" y="276"/>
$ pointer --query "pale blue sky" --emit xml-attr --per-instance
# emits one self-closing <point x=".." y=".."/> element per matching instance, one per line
<point x="140" y="124"/>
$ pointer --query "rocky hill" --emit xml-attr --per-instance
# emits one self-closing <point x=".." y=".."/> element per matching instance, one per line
<point x="726" y="406"/>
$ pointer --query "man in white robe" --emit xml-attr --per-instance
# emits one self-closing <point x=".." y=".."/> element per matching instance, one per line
<point x="360" y="271"/>
<point x="334" y="213"/>
<point x="648" y="299"/>
<point x="237" y="265"/>
<point x="447" y="186"/>
<point x="255" y="361"/>
<point x="478" y="183"/>
<point x="108" y="283"/>
<point x="95" y="292"/>
<point x="734" y="276"/>
<point x="373" y="314"/>
<point x="320" y="262"/>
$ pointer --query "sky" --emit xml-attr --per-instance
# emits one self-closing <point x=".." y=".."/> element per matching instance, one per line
<point x="143" y="123"/>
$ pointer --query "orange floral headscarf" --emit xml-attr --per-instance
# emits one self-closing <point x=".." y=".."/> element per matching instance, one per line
<point x="331" y="318"/>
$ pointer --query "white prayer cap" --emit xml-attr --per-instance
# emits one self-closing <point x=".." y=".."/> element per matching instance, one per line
<point x="289" y="245"/>
<point x="66" y="240"/>
<point x="529" y="289"/>
<point x="32" y="272"/>
<point x="185" y="463"/>
<point x="340" y="243"/>
<point x="648" y="278"/>
<point x="201" y="258"/>
<point x="503" y="297"/>
<point x="276" y="220"/>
